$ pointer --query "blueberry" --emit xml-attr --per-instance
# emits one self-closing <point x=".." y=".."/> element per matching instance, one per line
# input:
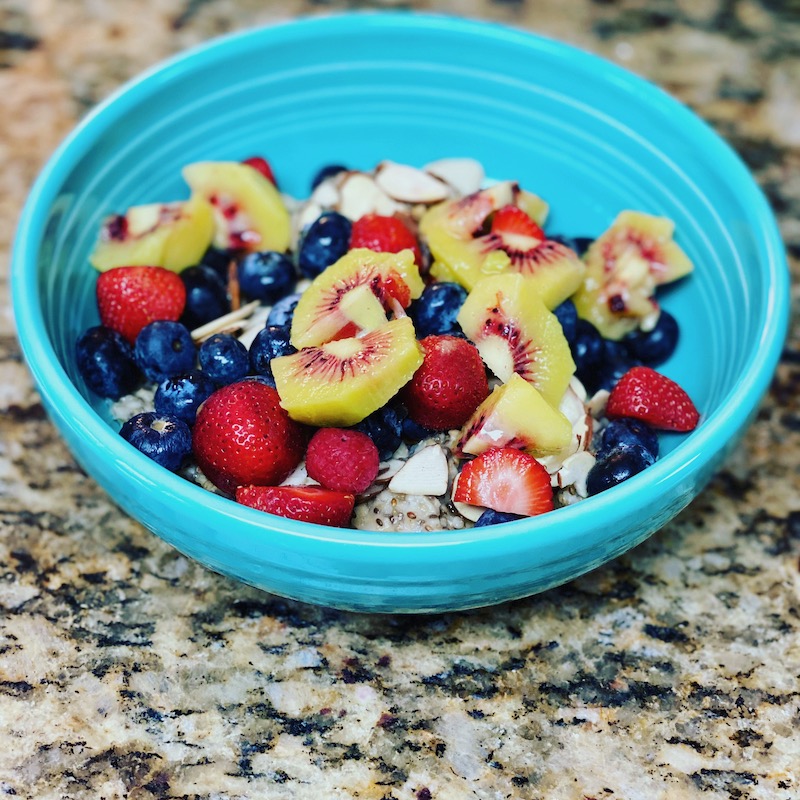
<point x="384" y="427"/>
<point x="614" y="362"/>
<point x="580" y="244"/>
<point x="587" y="347"/>
<point x="182" y="395"/>
<point x="106" y="362"/>
<point x="617" y="467"/>
<point x="568" y="317"/>
<point x="224" y="358"/>
<point x="266" y="276"/>
<point x="326" y="241"/>
<point x="165" y="439"/>
<point x="414" y="432"/>
<point x="282" y="312"/>
<point x="271" y="342"/>
<point x="328" y="171"/>
<point x="656" y="346"/>
<point x="435" y="311"/>
<point x="626" y="432"/>
<point x="491" y="517"/>
<point x="164" y="349"/>
<point x="206" y="295"/>
<point x="219" y="261"/>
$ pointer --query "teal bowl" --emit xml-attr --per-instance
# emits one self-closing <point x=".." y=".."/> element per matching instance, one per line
<point x="586" y="135"/>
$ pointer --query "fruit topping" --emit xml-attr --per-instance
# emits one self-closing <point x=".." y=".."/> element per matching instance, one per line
<point x="128" y="298"/>
<point x="263" y="166"/>
<point x="271" y="342"/>
<point x="624" y="267"/>
<point x="163" y="349"/>
<point x="353" y="295"/>
<point x="249" y="213"/>
<point x="505" y="479"/>
<point x="266" y="276"/>
<point x="243" y="436"/>
<point x="324" y="242"/>
<point x="283" y="311"/>
<point x="623" y="433"/>
<point x="616" y="467"/>
<point x="647" y="395"/>
<point x="384" y="235"/>
<point x="165" y="439"/>
<point x="448" y="386"/>
<point x="206" y="296"/>
<point x="169" y="235"/>
<point x="224" y="359"/>
<point x="407" y="184"/>
<point x="435" y="310"/>
<point x="303" y="503"/>
<point x="182" y="395"/>
<point x="385" y="427"/>
<point x="515" y="415"/>
<point x="514" y="332"/>
<point x="105" y="361"/>
<point x="491" y="517"/>
<point x="328" y="171"/>
<point x="342" y="459"/>
<point x="655" y="346"/>
<point x="341" y="382"/>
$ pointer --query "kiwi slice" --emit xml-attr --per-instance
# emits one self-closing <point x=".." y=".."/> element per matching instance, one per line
<point x="339" y="383"/>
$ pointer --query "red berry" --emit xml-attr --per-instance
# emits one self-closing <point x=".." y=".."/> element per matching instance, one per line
<point x="513" y="220"/>
<point x="449" y="385"/>
<point x="643" y="393"/>
<point x="128" y="298"/>
<point x="304" y="503"/>
<point x="384" y="235"/>
<point x="243" y="436"/>
<point x="506" y="479"/>
<point x="342" y="459"/>
<point x="262" y="165"/>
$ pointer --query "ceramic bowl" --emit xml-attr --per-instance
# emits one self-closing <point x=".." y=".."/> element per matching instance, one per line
<point x="584" y="134"/>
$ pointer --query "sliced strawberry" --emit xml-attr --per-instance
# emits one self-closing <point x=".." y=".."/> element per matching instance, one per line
<point x="505" y="479"/>
<point x="128" y="298"/>
<point x="643" y="393"/>
<point x="448" y="386"/>
<point x="304" y="503"/>
<point x="384" y="235"/>
<point x="510" y="220"/>
<point x="262" y="165"/>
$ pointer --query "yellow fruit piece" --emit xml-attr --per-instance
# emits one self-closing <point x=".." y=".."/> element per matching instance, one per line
<point x="624" y="266"/>
<point x="533" y="205"/>
<point x="515" y="415"/>
<point x="248" y="210"/>
<point x="342" y="382"/>
<point x="353" y="295"/>
<point x="516" y="333"/>
<point x="169" y="235"/>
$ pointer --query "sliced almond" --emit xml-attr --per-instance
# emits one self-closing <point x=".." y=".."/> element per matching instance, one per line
<point x="574" y="472"/>
<point x="464" y="175"/>
<point x="359" y="194"/>
<point x="326" y="194"/>
<point x="425" y="473"/>
<point x="232" y="321"/>
<point x="410" y="185"/>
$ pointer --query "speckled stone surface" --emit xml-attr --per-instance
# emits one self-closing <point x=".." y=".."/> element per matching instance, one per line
<point x="674" y="672"/>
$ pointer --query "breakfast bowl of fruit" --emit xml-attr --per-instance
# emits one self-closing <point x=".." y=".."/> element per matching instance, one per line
<point x="395" y="312"/>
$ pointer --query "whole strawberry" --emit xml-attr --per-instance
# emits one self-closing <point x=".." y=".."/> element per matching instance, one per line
<point x="242" y="436"/>
<point x="643" y="393"/>
<point x="449" y="385"/>
<point x="384" y="235"/>
<point x="128" y="298"/>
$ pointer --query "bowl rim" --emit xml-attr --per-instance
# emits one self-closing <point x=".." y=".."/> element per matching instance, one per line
<point x="673" y="470"/>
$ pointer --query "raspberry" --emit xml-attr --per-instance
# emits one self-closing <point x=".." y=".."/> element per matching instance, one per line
<point x="342" y="459"/>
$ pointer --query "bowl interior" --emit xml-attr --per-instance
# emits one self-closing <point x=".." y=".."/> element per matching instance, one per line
<point x="586" y="136"/>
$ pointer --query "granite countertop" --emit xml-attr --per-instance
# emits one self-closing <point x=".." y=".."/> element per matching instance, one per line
<point x="673" y="672"/>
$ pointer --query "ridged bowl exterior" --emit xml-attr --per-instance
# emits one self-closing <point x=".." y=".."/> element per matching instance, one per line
<point x="587" y="136"/>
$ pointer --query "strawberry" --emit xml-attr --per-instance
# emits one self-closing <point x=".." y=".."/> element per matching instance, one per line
<point x="505" y="479"/>
<point x="129" y="298"/>
<point x="448" y="386"/>
<point x="513" y="220"/>
<point x="304" y="503"/>
<point x="243" y="436"/>
<point x="263" y="166"/>
<point x="342" y="459"/>
<point x="384" y="235"/>
<point x="647" y="395"/>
